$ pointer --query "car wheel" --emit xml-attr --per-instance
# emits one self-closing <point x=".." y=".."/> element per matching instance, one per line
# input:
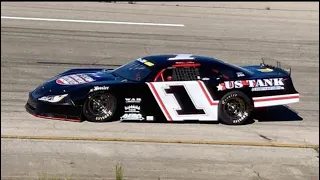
<point x="235" y="108"/>
<point x="100" y="107"/>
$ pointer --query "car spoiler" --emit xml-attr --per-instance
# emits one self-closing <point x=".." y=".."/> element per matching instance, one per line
<point x="276" y="65"/>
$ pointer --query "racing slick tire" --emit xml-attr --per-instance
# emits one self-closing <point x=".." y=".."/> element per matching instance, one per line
<point x="235" y="108"/>
<point x="100" y="106"/>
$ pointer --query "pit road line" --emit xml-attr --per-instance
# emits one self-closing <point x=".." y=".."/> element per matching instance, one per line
<point x="162" y="141"/>
<point x="90" y="21"/>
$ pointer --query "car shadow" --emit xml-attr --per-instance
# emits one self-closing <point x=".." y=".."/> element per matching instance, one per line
<point x="276" y="113"/>
<point x="270" y="114"/>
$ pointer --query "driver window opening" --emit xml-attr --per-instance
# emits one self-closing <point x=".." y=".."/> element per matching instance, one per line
<point x="217" y="73"/>
<point x="178" y="74"/>
<point x="164" y="75"/>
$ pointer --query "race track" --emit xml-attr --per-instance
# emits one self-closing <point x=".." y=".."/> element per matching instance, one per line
<point x="34" y="50"/>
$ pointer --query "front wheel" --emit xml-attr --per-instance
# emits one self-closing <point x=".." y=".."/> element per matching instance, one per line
<point x="100" y="107"/>
<point x="235" y="108"/>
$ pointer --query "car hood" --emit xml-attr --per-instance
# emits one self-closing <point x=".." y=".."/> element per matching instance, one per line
<point x="76" y="79"/>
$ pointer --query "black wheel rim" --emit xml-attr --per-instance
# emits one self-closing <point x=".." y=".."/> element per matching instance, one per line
<point x="235" y="108"/>
<point x="101" y="105"/>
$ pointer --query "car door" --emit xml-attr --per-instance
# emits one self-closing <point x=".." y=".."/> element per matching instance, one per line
<point x="182" y="94"/>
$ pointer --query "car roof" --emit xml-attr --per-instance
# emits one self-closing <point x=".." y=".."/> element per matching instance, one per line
<point x="166" y="60"/>
<point x="170" y="59"/>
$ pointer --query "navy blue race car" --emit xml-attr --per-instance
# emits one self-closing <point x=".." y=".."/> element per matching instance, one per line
<point x="177" y="87"/>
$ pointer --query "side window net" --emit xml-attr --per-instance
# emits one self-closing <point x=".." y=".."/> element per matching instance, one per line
<point x="185" y="73"/>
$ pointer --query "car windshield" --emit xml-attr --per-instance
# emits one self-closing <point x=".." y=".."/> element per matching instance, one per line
<point x="134" y="71"/>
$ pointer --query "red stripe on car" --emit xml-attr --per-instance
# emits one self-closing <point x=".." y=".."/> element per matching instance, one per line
<point x="161" y="103"/>
<point x="206" y="94"/>
<point x="276" y="98"/>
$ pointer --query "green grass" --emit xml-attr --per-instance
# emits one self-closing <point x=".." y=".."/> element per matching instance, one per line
<point x="119" y="175"/>
<point x="317" y="149"/>
<point x="119" y="172"/>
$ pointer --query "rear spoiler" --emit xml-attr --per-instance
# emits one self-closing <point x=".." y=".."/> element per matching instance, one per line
<point x="279" y="66"/>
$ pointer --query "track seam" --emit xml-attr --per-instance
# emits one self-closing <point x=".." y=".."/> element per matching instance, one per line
<point x="261" y="144"/>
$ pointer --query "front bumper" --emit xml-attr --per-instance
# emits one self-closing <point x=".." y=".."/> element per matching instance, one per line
<point x="53" y="110"/>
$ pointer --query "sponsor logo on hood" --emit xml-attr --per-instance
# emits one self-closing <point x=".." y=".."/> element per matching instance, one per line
<point x="74" y="79"/>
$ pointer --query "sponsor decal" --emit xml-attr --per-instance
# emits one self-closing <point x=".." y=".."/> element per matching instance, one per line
<point x="86" y="77"/>
<point x="148" y="63"/>
<point x="132" y="116"/>
<point x="141" y="60"/>
<point x="78" y="79"/>
<point x="132" y="108"/>
<point x="255" y="84"/>
<point x="186" y="62"/>
<point x="74" y="79"/>
<point x="265" y="70"/>
<point x="150" y="118"/>
<point x="133" y="100"/>
<point x="132" y="112"/>
<point x="240" y="74"/>
<point x="267" y="88"/>
<point x="99" y="88"/>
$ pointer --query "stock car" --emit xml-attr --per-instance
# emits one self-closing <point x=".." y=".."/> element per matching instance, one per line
<point x="173" y="87"/>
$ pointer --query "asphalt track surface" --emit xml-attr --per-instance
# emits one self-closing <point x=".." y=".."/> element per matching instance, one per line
<point x="34" y="51"/>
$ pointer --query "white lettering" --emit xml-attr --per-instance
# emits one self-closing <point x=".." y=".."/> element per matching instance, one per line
<point x="238" y="84"/>
<point x="267" y="88"/>
<point x="260" y="83"/>
<point x="133" y="100"/>
<point x="132" y="108"/>
<point x="268" y="82"/>
<point x="251" y="83"/>
<point x="278" y="82"/>
<point x="99" y="88"/>
<point x="132" y="117"/>
<point x="240" y="74"/>
<point x="229" y="84"/>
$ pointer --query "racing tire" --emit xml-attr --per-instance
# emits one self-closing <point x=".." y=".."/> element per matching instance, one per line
<point x="100" y="106"/>
<point x="235" y="108"/>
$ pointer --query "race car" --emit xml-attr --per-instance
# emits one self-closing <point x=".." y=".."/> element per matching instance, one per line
<point x="172" y="87"/>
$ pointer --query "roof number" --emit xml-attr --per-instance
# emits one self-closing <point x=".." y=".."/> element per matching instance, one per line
<point x="182" y="57"/>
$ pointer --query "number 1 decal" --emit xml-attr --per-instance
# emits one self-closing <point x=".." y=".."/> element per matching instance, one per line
<point x="184" y="100"/>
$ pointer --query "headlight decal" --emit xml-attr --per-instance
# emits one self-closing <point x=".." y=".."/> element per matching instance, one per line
<point x="52" y="98"/>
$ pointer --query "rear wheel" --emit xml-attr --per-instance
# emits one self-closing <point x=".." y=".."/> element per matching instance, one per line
<point x="100" y="107"/>
<point x="235" y="108"/>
